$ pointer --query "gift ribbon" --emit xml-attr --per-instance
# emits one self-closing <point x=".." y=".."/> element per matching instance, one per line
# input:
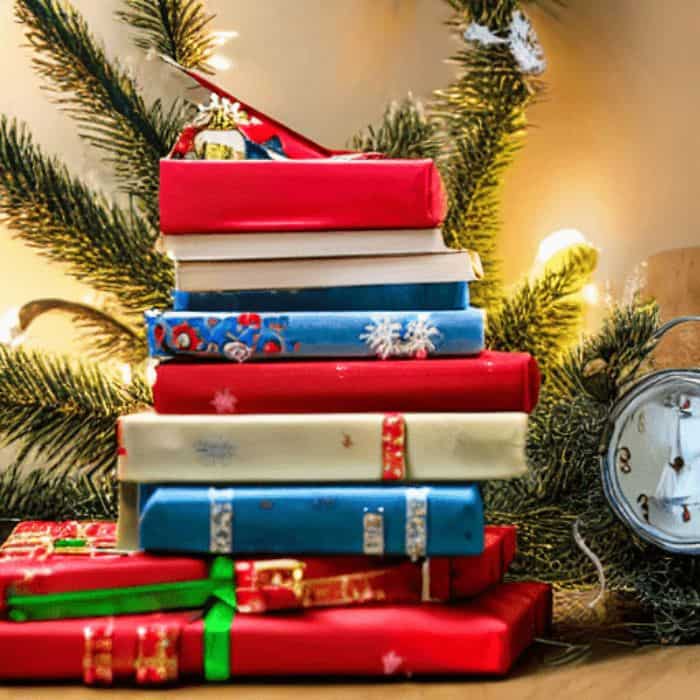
<point x="130" y="600"/>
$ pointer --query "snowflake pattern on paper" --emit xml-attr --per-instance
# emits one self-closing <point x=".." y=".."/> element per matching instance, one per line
<point x="391" y="662"/>
<point x="389" y="338"/>
<point x="224" y="401"/>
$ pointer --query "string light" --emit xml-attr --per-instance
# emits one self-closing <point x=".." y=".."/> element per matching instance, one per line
<point x="10" y="328"/>
<point x="557" y="242"/>
<point x="220" y="38"/>
<point x="126" y="372"/>
<point x="220" y="62"/>
<point x="151" y="375"/>
<point x="591" y="294"/>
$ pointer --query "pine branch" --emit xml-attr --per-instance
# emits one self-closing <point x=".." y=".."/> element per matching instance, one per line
<point x="543" y="316"/>
<point x="404" y="132"/>
<point x="70" y="223"/>
<point x="176" y="28"/>
<point x="62" y="412"/>
<point x="481" y="123"/>
<point x="42" y="495"/>
<point x="109" y="338"/>
<point x="102" y="97"/>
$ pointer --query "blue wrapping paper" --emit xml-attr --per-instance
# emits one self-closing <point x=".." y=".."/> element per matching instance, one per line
<point x="391" y="520"/>
<point x="442" y="296"/>
<point x="268" y="336"/>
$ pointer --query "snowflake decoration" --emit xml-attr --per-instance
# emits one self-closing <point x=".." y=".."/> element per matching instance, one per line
<point x="391" y="662"/>
<point x="224" y="401"/>
<point x="383" y="336"/>
<point x="522" y="40"/>
<point x="418" y="337"/>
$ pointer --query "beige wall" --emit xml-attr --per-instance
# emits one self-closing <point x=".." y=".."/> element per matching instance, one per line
<point x="613" y="150"/>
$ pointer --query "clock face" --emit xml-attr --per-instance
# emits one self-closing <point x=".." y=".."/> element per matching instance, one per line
<point x="651" y="463"/>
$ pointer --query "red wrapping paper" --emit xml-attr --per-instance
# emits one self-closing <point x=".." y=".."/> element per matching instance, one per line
<point x="492" y="381"/>
<point x="483" y="636"/>
<point x="310" y="192"/>
<point x="265" y="584"/>
<point x="308" y="195"/>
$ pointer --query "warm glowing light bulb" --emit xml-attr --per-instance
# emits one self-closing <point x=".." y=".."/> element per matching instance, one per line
<point x="220" y="62"/>
<point x="10" y="329"/>
<point x="222" y="37"/>
<point x="125" y="370"/>
<point x="591" y="294"/>
<point x="151" y="374"/>
<point x="557" y="242"/>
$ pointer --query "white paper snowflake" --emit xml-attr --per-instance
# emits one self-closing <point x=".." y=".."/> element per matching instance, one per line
<point x="224" y="401"/>
<point x="231" y="109"/>
<point x="417" y="340"/>
<point x="383" y="336"/>
<point x="522" y="40"/>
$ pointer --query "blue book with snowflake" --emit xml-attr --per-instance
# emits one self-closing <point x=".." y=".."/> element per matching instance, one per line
<point x="240" y="337"/>
<point x="429" y="296"/>
<point x="287" y="520"/>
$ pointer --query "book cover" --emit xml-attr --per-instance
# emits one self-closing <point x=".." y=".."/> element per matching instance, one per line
<point x="326" y="447"/>
<point x="443" y="296"/>
<point x="290" y="520"/>
<point x="449" y="266"/>
<point x="254" y="336"/>
<point x="488" y="382"/>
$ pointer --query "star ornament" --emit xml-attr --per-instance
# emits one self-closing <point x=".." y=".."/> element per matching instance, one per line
<point x="391" y="662"/>
<point x="224" y="401"/>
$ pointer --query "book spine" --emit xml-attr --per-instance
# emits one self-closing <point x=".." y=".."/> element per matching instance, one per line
<point x="240" y="337"/>
<point x="444" y="296"/>
<point x="337" y="447"/>
<point x="417" y="522"/>
<point x="490" y="382"/>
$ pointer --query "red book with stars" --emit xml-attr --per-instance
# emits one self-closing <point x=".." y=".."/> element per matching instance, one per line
<point x="491" y="381"/>
<point x="485" y="635"/>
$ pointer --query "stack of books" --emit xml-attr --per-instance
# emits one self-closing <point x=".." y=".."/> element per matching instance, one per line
<point x="324" y="414"/>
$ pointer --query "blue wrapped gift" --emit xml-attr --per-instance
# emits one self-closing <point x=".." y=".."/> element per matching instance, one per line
<point x="297" y="335"/>
<point x="444" y="296"/>
<point x="376" y="520"/>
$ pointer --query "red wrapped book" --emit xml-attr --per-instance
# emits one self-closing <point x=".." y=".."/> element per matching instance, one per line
<point x="44" y="585"/>
<point x="304" y="187"/>
<point x="491" y="381"/>
<point x="483" y="636"/>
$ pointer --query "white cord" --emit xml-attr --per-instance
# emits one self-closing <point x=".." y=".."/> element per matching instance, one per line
<point x="596" y="562"/>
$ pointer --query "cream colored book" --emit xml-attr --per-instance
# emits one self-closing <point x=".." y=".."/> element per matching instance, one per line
<point x="322" y="447"/>
<point x="446" y="266"/>
<point x="305" y="244"/>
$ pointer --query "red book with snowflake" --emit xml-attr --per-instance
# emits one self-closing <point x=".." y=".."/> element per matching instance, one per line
<point x="482" y="636"/>
<point x="491" y="381"/>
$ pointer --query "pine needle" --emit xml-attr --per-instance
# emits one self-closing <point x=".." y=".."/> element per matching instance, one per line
<point x="64" y="413"/>
<point x="68" y="222"/>
<point x="176" y="28"/>
<point x="102" y="97"/>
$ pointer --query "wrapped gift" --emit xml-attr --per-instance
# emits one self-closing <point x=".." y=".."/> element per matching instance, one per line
<point x="63" y="586"/>
<point x="250" y="336"/>
<point x="483" y="636"/>
<point x="38" y="539"/>
<point x="260" y="175"/>
<point x="373" y="297"/>
<point x="491" y="381"/>
<point x="322" y="447"/>
<point x="376" y="520"/>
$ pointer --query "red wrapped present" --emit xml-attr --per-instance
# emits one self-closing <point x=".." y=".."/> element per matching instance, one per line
<point x="54" y="586"/>
<point x="37" y="539"/>
<point x="483" y="636"/>
<point x="491" y="381"/>
<point x="304" y="187"/>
